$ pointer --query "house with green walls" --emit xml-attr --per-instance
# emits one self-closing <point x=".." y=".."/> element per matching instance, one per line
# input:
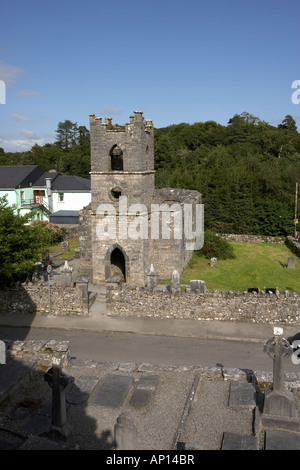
<point x="28" y="188"/>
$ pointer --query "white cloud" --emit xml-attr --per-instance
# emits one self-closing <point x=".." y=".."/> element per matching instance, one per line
<point x="27" y="134"/>
<point x="21" y="118"/>
<point x="9" y="73"/>
<point x="111" y="111"/>
<point x="29" y="93"/>
<point x="20" y="145"/>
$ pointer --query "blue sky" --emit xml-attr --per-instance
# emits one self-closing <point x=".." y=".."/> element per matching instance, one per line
<point x="175" y="60"/>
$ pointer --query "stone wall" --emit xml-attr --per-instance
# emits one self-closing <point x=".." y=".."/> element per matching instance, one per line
<point x="246" y="307"/>
<point x="294" y="245"/>
<point x="44" y="352"/>
<point x="34" y="299"/>
<point x="252" y="238"/>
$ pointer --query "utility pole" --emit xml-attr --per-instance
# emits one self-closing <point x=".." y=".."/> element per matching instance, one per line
<point x="295" y="218"/>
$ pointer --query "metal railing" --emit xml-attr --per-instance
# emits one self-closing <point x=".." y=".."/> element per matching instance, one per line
<point x="37" y="201"/>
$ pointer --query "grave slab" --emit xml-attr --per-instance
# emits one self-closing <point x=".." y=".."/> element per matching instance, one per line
<point x="144" y="391"/>
<point x="112" y="391"/>
<point x="11" y="373"/>
<point x="232" y="441"/>
<point x="242" y="395"/>
<point x="37" y="424"/>
<point x="282" y="440"/>
<point x="82" y="389"/>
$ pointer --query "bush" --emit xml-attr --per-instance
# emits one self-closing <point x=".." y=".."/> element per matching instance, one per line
<point x="215" y="247"/>
<point x="51" y="234"/>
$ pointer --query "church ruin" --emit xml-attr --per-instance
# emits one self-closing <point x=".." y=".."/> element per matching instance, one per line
<point x="129" y="225"/>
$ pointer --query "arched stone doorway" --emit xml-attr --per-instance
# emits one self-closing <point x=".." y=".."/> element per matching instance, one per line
<point x="117" y="263"/>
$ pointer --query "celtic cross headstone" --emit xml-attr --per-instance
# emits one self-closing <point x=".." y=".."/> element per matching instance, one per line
<point x="59" y="381"/>
<point x="280" y="405"/>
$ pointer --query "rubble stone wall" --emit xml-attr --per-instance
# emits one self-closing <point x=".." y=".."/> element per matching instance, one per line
<point x="245" y="307"/>
<point x="34" y="299"/>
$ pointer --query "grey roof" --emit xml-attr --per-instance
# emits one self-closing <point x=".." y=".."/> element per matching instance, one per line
<point x="17" y="175"/>
<point x="33" y="175"/>
<point x="61" y="182"/>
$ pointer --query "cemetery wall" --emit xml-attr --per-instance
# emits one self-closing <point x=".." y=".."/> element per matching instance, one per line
<point x="44" y="353"/>
<point x="34" y="299"/>
<point x="245" y="307"/>
<point x="252" y="238"/>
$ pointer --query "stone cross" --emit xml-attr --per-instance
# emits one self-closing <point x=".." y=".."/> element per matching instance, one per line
<point x="280" y="405"/>
<point x="277" y="348"/>
<point x="59" y="381"/>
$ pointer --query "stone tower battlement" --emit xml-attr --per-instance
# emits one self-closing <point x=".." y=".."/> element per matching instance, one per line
<point x="128" y="149"/>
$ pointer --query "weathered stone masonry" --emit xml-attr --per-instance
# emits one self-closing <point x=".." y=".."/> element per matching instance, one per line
<point x="279" y="308"/>
<point x="34" y="299"/>
<point x="122" y="164"/>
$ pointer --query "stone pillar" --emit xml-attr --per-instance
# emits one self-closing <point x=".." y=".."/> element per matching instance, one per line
<point x="125" y="433"/>
<point x="66" y="275"/>
<point x="82" y="284"/>
<point x="151" y="278"/>
<point x="175" y="282"/>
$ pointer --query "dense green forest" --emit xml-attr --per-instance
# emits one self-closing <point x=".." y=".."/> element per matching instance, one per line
<point x="246" y="171"/>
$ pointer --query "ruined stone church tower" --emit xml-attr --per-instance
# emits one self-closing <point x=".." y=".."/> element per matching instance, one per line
<point x="122" y="164"/>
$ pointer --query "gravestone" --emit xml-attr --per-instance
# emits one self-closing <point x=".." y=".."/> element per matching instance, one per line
<point x="65" y="247"/>
<point x="175" y="282"/>
<point x="197" y="286"/>
<point x="213" y="262"/>
<point x="82" y="284"/>
<point x="112" y="391"/>
<point x="60" y="430"/>
<point x="291" y="262"/>
<point x="125" y="433"/>
<point x="280" y="405"/>
<point x="151" y="278"/>
<point x="66" y="275"/>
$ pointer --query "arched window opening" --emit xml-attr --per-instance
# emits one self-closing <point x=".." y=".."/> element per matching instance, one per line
<point x="116" y="158"/>
<point x="118" y="264"/>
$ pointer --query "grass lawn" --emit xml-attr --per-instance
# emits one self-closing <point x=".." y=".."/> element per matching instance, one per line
<point x="73" y="243"/>
<point x="255" y="265"/>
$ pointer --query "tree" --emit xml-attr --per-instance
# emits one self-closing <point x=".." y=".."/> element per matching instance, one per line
<point x="288" y="123"/>
<point x="67" y="133"/>
<point x="20" y="243"/>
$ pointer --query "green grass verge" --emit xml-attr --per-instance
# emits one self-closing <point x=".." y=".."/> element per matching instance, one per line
<point x="73" y="243"/>
<point x="256" y="264"/>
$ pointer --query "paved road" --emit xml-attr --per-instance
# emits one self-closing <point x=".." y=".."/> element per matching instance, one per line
<point x="129" y="347"/>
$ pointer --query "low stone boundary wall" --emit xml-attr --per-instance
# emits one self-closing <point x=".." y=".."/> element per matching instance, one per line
<point x="293" y="245"/>
<point x="278" y="308"/>
<point x="252" y="238"/>
<point x="34" y="299"/>
<point x="44" y="352"/>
